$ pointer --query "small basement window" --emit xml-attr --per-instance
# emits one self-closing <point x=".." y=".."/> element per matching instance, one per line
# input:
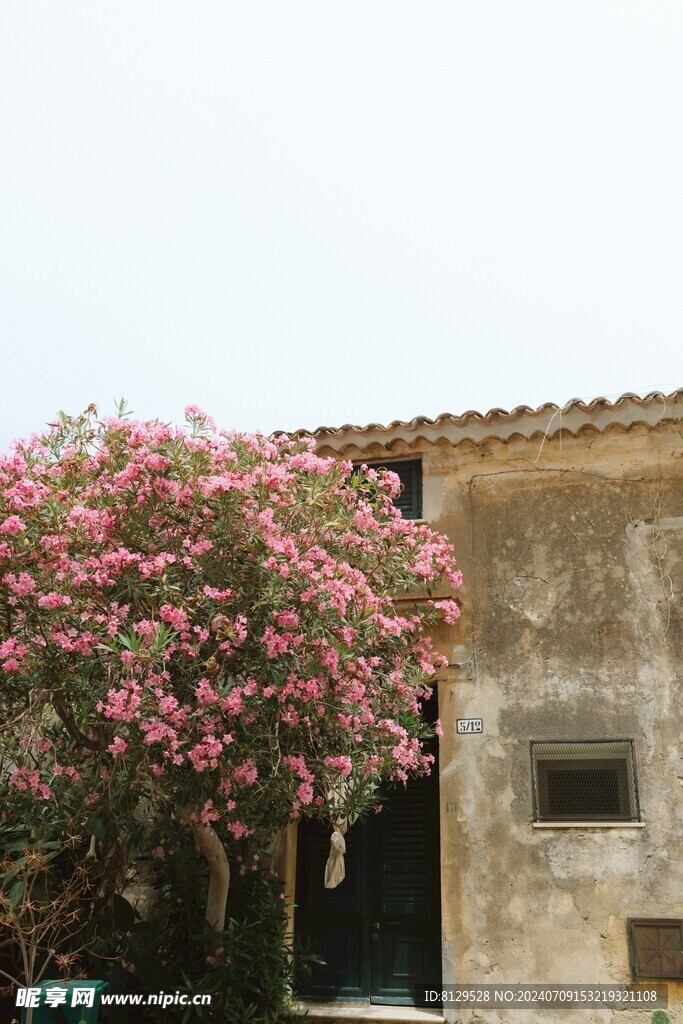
<point x="409" y="501"/>
<point x="656" y="948"/>
<point x="584" y="780"/>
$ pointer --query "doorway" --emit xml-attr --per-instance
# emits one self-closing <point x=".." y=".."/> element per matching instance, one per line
<point x="379" y="931"/>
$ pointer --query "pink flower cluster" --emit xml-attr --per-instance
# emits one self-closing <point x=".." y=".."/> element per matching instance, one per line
<point x="341" y="764"/>
<point x="220" y="609"/>
<point x="28" y="781"/>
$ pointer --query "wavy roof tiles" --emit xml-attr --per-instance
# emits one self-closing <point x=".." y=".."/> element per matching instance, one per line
<point x="548" y="420"/>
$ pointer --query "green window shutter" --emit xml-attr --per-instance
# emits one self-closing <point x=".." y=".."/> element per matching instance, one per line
<point x="409" y="501"/>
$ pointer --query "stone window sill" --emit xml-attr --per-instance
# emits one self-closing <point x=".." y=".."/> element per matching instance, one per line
<point x="588" y="824"/>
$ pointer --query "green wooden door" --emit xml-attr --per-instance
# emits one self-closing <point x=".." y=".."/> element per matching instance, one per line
<point x="380" y="930"/>
<point x="333" y="922"/>
<point x="406" y="927"/>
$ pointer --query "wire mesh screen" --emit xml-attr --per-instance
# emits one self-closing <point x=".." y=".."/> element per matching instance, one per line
<point x="584" y="780"/>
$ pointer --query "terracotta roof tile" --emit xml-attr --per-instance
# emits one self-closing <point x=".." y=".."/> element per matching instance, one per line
<point x="548" y="419"/>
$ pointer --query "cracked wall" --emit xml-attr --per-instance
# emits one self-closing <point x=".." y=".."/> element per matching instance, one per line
<point x="572" y="617"/>
<point x="571" y="627"/>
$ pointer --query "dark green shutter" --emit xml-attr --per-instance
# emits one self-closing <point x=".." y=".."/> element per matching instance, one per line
<point x="333" y="921"/>
<point x="379" y="931"/>
<point x="409" y="501"/>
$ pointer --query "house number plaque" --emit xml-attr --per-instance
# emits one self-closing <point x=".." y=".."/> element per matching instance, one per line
<point x="469" y="725"/>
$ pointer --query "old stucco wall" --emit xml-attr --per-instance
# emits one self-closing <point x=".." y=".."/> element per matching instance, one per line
<point x="573" y="620"/>
<point x="572" y="627"/>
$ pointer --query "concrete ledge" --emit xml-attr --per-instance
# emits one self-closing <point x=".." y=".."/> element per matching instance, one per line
<point x="588" y="824"/>
<point x="330" y="1013"/>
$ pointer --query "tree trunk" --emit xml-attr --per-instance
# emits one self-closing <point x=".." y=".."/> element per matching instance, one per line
<point x="219" y="875"/>
<point x="274" y="848"/>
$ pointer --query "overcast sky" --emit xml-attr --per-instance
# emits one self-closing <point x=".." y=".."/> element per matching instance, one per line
<point x="307" y="213"/>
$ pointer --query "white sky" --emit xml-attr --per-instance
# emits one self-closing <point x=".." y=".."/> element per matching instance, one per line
<point x="309" y="213"/>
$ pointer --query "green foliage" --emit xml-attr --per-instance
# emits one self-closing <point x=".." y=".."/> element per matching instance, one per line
<point x="660" y="1017"/>
<point x="45" y="888"/>
<point x="257" y="981"/>
<point x="248" y="969"/>
<point x="198" y="631"/>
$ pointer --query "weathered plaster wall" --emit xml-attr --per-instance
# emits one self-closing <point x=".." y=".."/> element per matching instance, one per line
<point x="572" y="617"/>
<point x="572" y="627"/>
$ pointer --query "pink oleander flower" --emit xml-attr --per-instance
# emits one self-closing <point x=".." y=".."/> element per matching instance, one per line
<point x="54" y="600"/>
<point x="28" y="781"/>
<point x="21" y="585"/>
<point x="217" y="612"/>
<point x="449" y="610"/>
<point x="12" y="525"/>
<point x="340" y="764"/>
<point x="246" y="773"/>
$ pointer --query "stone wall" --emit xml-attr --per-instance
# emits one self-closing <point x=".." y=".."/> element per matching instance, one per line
<point x="572" y="621"/>
<point x="572" y="617"/>
<point x="572" y="627"/>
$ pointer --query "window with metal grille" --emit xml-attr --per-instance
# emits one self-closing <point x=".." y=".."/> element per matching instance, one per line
<point x="656" y="948"/>
<point x="584" y="780"/>
<point x="410" y="474"/>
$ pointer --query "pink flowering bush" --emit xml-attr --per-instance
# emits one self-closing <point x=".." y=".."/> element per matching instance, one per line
<point x="204" y="624"/>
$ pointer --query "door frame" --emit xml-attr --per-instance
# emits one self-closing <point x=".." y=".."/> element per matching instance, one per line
<point x="292" y="875"/>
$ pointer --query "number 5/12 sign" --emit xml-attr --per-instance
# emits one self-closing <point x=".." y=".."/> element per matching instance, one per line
<point x="469" y="725"/>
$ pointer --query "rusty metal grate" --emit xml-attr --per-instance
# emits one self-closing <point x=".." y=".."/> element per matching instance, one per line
<point x="656" y="948"/>
<point x="584" y="780"/>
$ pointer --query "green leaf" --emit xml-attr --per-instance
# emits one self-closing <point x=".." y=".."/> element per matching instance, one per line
<point x="98" y="827"/>
<point x="18" y="844"/>
<point x="151" y="968"/>
<point x="16" y="893"/>
<point x="39" y="894"/>
<point x="123" y="913"/>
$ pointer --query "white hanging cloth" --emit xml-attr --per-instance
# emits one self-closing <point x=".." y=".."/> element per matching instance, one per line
<point x="335" y="869"/>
